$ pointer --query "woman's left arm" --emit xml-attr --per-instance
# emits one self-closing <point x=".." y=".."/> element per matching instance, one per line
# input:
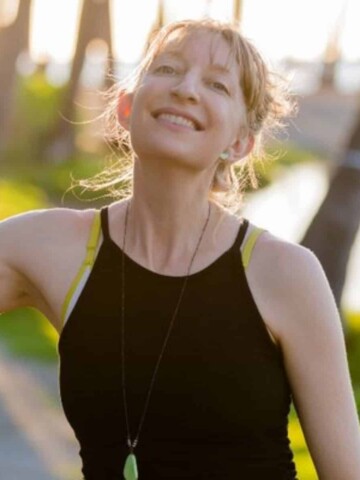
<point x="315" y="358"/>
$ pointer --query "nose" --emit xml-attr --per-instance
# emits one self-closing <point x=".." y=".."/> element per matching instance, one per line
<point x="186" y="89"/>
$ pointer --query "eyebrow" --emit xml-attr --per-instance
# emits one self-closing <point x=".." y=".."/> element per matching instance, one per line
<point x="213" y="66"/>
<point x="220" y="68"/>
<point x="170" y="53"/>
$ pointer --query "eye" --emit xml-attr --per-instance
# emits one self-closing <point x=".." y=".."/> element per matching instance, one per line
<point x="220" y="86"/>
<point x="166" y="69"/>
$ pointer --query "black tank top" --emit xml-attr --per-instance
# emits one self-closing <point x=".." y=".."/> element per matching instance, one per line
<point x="221" y="398"/>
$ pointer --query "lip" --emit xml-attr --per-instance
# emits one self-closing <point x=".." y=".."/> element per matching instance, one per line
<point x="174" y="111"/>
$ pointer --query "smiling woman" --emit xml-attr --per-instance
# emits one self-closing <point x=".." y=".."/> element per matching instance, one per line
<point x="184" y="68"/>
<point x="261" y="98"/>
<point x="186" y="331"/>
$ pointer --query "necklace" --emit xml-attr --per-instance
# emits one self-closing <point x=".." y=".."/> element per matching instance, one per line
<point x="130" y="467"/>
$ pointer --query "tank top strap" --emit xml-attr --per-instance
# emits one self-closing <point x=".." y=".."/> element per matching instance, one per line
<point x="104" y="214"/>
<point x="241" y="234"/>
<point x="249" y="245"/>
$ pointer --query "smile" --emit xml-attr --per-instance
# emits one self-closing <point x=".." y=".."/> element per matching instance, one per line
<point x="177" y="120"/>
<point x="175" y="117"/>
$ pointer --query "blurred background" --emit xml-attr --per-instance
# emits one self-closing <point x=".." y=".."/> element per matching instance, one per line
<point x="56" y="57"/>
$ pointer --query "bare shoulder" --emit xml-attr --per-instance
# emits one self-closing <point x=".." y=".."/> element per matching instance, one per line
<point x="289" y="286"/>
<point x="289" y="261"/>
<point x="43" y="217"/>
<point x="37" y="247"/>
<point x="25" y="234"/>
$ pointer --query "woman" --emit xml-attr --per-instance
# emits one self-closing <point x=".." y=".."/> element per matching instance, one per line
<point x="188" y="331"/>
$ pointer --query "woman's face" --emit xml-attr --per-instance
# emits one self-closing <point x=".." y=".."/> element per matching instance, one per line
<point x="189" y="107"/>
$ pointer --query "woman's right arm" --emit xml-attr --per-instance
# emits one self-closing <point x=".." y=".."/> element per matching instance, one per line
<point x="40" y="253"/>
<point x="15" y="241"/>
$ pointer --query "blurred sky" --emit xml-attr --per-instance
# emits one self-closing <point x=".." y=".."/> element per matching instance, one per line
<point x="280" y="28"/>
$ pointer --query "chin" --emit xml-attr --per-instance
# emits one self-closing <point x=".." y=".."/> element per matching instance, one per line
<point x="167" y="158"/>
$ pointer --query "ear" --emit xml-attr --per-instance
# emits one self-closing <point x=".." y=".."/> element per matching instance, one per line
<point x="124" y="109"/>
<point x="241" y="147"/>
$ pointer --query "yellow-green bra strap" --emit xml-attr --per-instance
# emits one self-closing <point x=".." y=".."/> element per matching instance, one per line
<point x="250" y="244"/>
<point x="93" y="239"/>
<point x="89" y="260"/>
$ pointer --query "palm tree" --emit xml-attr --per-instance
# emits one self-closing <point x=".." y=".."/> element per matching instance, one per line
<point x="332" y="55"/>
<point x="237" y="11"/>
<point x="94" y="23"/>
<point x="14" y="39"/>
<point x="159" y="23"/>
<point x="332" y="232"/>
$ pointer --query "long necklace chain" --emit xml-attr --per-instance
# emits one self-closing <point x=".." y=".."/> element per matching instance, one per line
<point x="133" y="444"/>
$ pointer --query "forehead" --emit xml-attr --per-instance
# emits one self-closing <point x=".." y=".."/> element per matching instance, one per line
<point x="208" y="47"/>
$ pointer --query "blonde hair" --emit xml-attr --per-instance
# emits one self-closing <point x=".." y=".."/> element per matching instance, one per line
<point x="267" y="102"/>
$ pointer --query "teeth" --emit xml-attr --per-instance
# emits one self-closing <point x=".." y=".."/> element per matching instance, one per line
<point x="177" y="120"/>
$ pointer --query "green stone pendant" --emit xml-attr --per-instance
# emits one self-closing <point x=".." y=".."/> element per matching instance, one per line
<point x="130" y="468"/>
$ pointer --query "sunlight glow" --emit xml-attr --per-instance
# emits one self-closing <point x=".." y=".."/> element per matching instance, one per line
<point x="53" y="29"/>
<point x="8" y="12"/>
<point x="280" y="28"/>
<point x="131" y="23"/>
<point x="299" y="29"/>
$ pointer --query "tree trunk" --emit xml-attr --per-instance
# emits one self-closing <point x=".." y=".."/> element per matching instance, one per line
<point x="332" y="54"/>
<point x="237" y="11"/>
<point x="332" y="232"/>
<point x="158" y="24"/>
<point x="94" y="23"/>
<point x="331" y="60"/>
<point x="13" y="40"/>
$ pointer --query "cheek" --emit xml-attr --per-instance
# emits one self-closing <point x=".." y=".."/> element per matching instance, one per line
<point x="135" y="127"/>
<point x="238" y="121"/>
<point x="228" y="126"/>
<point x="137" y="113"/>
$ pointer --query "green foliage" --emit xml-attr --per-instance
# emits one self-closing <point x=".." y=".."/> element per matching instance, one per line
<point x="37" y="107"/>
<point x="38" y="102"/>
<point x="17" y="197"/>
<point x="353" y="343"/>
<point x="302" y="457"/>
<point x="353" y="321"/>
<point x="56" y="179"/>
<point x="303" y="461"/>
<point x="278" y="159"/>
<point x="53" y="182"/>
<point x="29" y="334"/>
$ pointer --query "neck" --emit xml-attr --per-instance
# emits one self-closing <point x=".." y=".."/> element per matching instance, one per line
<point x="166" y="217"/>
